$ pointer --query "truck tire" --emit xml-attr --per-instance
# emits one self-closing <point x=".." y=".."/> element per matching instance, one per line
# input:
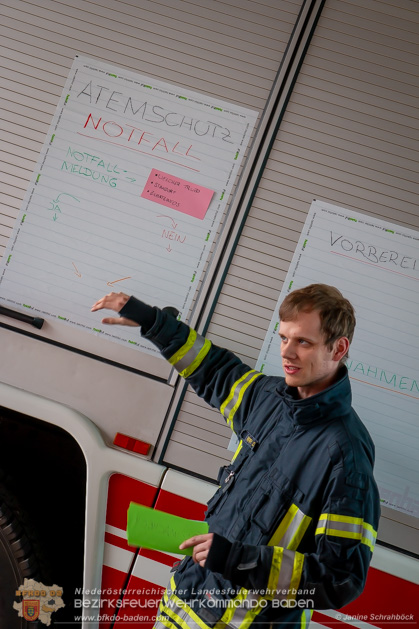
<point x="17" y="561"/>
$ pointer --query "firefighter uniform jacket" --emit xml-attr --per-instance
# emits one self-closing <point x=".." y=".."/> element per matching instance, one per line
<point x="296" y="513"/>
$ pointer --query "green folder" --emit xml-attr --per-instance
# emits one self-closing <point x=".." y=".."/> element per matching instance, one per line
<point x="154" y="529"/>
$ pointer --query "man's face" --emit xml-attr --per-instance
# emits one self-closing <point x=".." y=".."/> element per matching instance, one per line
<point x="308" y="364"/>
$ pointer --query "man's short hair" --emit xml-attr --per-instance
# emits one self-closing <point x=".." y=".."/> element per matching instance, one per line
<point x="337" y="316"/>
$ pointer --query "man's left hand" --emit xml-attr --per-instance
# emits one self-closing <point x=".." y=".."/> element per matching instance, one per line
<point x="201" y="546"/>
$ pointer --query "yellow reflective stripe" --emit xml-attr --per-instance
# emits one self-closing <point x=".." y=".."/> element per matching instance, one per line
<point x="368" y="542"/>
<point x="230" y="611"/>
<point x="187" y="612"/>
<point x="370" y="529"/>
<point x="306" y="617"/>
<point x="285" y="574"/>
<point x="347" y="519"/>
<point x="198" y="360"/>
<point x="347" y="534"/>
<point x="347" y="523"/>
<point x="164" y="600"/>
<point x="299" y="533"/>
<point x="328" y="530"/>
<point x="165" y="622"/>
<point x="165" y="608"/>
<point x="238" y="616"/>
<point x="252" y="613"/>
<point x="175" y="617"/>
<point x="291" y="529"/>
<point x="237" y="391"/>
<point x="184" y="349"/>
<point x="239" y="447"/>
<point x="348" y="527"/>
<point x="283" y="526"/>
<point x="296" y="574"/>
<point x="274" y="572"/>
<point x="180" y="621"/>
<point x="232" y="391"/>
<point x="191" y="354"/>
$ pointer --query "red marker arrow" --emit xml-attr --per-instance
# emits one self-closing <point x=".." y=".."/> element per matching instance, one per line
<point x="174" y="225"/>
<point x="115" y="281"/>
<point x="77" y="271"/>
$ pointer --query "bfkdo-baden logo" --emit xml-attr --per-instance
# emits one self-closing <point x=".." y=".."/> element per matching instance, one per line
<point x="38" y="601"/>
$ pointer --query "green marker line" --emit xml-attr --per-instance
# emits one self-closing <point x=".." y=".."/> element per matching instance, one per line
<point x="8" y="259"/>
<point x="221" y="197"/>
<point x="183" y="97"/>
<point x="276" y="327"/>
<point x="305" y="242"/>
<point x="96" y="330"/>
<point x="26" y="306"/>
<point x="218" y="108"/>
<point x="62" y="318"/>
<point x="262" y="367"/>
<point x="207" y="238"/>
<point x="114" y="75"/>
<point x="193" y="277"/>
<point x="149" y="87"/>
<point x="132" y="342"/>
<point x="291" y="283"/>
<point x="23" y="219"/>
<point x="38" y="177"/>
<point x="352" y="219"/>
<point x="237" y="154"/>
<point x="390" y="231"/>
<point x="52" y="138"/>
<point x="67" y="97"/>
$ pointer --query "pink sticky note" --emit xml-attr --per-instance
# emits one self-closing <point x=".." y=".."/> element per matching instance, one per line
<point x="179" y="194"/>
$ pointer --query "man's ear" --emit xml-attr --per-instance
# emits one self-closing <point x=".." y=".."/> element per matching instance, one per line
<point x="341" y="348"/>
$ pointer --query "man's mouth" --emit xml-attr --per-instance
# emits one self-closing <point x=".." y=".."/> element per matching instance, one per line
<point x="291" y="369"/>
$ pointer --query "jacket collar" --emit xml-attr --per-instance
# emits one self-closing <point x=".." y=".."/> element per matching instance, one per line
<point x="324" y="406"/>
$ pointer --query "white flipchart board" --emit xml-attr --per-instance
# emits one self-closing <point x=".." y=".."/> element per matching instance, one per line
<point x="127" y="195"/>
<point x="375" y="264"/>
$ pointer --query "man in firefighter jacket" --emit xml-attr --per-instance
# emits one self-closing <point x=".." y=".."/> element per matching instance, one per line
<point x="293" y="524"/>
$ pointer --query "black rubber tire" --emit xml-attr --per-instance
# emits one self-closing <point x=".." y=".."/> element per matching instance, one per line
<point x="17" y="561"/>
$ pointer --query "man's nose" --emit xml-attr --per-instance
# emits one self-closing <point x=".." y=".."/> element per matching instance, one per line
<point x="288" y="350"/>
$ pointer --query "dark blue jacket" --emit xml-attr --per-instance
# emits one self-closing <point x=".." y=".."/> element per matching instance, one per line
<point x="296" y="514"/>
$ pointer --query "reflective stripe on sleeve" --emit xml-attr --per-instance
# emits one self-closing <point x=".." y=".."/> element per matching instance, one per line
<point x="345" y="526"/>
<point x="297" y="571"/>
<point x="188" y="358"/>
<point x="177" y="610"/>
<point x="230" y="405"/>
<point x="239" y="614"/>
<point x="305" y="618"/>
<point x="291" y="529"/>
<point x="184" y="616"/>
<point x="241" y="611"/>
<point x="161" y="621"/>
<point x="285" y="574"/>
